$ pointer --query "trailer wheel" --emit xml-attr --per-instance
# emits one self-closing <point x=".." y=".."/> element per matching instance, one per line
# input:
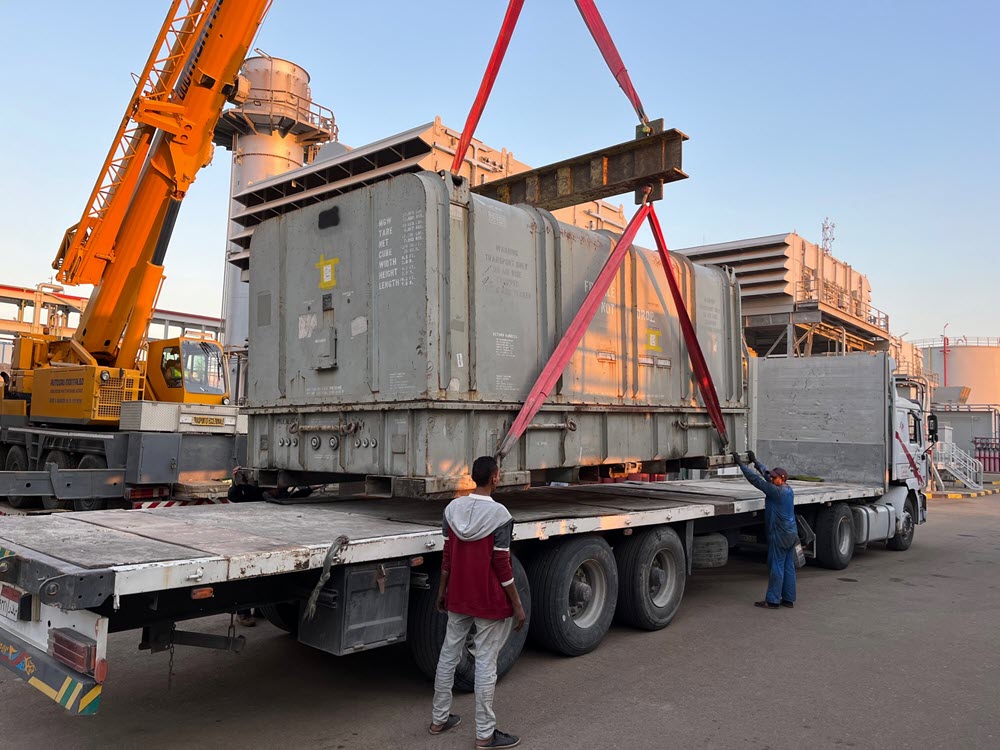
<point x="834" y="536"/>
<point x="63" y="461"/>
<point x="904" y="537"/>
<point x="17" y="460"/>
<point x="284" y="616"/>
<point x="710" y="551"/>
<point x="651" y="574"/>
<point x="426" y="627"/>
<point x="574" y="589"/>
<point x="91" y="461"/>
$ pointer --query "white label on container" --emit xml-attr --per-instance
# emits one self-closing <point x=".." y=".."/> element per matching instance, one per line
<point x="662" y="362"/>
<point x="506" y="344"/>
<point x="308" y="322"/>
<point x="358" y="326"/>
<point x="461" y="359"/>
<point x="505" y="383"/>
<point x="399" y="381"/>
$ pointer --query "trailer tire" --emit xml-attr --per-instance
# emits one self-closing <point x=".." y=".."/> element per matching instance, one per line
<point x="578" y="574"/>
<point x="709" y="551"/>
<point x="283" y="615"/>
<point x="834" y="536"/>
<point x="63" y="461"/>
<point x="17" y="460"/>
<point x="904" y="538"/>
<point x="426" y="627"/>
<point x="91" y="461"/>
<point x="651" y="575"/>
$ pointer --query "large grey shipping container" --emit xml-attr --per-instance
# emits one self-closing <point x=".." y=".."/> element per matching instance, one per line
<point x="396" y="330"/>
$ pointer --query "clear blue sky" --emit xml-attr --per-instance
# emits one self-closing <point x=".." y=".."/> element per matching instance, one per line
<point x="884" y="116"/>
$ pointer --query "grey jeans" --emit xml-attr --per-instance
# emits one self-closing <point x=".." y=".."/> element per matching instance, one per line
<point x="488" y="639"/>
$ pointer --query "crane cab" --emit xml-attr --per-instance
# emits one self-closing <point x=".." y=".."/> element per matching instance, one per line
<point x="187" y="369"/>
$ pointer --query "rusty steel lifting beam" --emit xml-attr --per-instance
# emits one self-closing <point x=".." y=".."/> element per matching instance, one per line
<point x="650" y="160"/>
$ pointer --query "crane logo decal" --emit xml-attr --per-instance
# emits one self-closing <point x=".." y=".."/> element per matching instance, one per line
<point x="327" y="272"/>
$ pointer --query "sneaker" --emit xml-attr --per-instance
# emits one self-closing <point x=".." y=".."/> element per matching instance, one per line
<point x="766" y="604"/>
<point x="500" y="739"/>
<point x="247" y="621"/>
<point x="786" y="603"/>
<point x="453" y="721"/>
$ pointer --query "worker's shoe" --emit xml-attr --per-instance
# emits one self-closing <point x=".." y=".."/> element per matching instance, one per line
<point x="766" y="604"/>
<point x="500" y="739"/>
<point x="247" y="620"/>
<point x="453" y="721"/>
<point x="786" y="603"/>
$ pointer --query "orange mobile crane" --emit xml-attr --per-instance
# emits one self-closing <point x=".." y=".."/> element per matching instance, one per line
<point x="119" y="245"/>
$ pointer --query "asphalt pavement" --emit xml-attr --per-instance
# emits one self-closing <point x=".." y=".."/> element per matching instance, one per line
<point x="901" y="650"/>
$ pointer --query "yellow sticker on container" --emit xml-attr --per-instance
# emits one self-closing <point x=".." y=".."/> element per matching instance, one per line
<point x="654" y="340"/>
<point x="327" y="272"/>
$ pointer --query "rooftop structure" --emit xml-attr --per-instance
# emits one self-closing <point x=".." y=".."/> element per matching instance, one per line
<point x="799" y="299"/>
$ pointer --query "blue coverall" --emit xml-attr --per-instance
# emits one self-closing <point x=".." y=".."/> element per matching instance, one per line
<point x="782" y="533"/>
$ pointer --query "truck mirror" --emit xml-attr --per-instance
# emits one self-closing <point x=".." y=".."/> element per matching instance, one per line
<point x="932" y="427"/>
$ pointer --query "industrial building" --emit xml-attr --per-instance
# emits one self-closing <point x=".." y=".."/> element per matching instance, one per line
<point x="799" y="299"/>
<point x="27" y="310"/>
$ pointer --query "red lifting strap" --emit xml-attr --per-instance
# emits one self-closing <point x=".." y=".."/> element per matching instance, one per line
<point x="701" y="372"/>
<point x="574" y="334"/>
<point x="499" y="50"/>
<point x="553" y="369"/>
<point x="592" y="17"/>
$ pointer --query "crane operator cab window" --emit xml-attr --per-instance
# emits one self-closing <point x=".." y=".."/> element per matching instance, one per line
<point x="170" y="366"/>
<point x="204" y="370"/>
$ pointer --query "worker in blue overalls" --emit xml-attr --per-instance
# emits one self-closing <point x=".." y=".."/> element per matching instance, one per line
<point x="782" y="531"/>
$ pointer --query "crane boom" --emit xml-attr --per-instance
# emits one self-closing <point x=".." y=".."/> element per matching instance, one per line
<point x="119" y="244"/>
<point x="88" y="245"/>
<point x="113" y="325"/>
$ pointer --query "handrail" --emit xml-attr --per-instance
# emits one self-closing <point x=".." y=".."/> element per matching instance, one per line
<point x="828" y="293"/>
<point x="958" y="463"/>
<point x="936" y="341"/>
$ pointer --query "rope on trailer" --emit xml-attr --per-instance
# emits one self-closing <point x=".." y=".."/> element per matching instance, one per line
<point x="332" y="556"/>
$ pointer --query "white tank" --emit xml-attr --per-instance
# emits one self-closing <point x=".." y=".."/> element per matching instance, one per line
<point x="972" y="362"/>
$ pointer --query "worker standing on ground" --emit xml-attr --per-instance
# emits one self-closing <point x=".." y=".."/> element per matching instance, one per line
<point x="782" y="531"/>
<point x="477" y="588"/>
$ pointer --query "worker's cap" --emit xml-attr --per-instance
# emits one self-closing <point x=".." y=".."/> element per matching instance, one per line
<point x="777" y="471"/>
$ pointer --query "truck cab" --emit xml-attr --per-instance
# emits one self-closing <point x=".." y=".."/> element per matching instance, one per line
<point x="187" y="369"/>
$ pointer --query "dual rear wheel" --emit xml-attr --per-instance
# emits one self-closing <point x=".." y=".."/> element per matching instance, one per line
<point x="571" y="591"/>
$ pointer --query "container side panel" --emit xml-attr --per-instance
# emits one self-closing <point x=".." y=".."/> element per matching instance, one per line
<point x="825" y="417"/>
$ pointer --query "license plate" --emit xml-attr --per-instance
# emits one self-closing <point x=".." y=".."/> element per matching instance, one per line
<point x="14" y="603"/>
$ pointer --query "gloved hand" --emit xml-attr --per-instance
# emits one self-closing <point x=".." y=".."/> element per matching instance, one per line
<point x="736" y="457"/>
<point x="752" y="456"/>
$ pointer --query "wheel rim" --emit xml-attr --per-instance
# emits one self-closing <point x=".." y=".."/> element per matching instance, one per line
<point x="662" y="573"/>
<point x="907" y="530"/>
<point x="588" y="592"/>
<point x="844" y="536"/>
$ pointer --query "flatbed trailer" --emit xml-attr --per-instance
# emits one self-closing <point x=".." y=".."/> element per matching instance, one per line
<point x="70" y="579"/>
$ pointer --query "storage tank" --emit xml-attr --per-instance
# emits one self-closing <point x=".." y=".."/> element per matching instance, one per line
<point x="967" y="361"/>
<point x="398" y="328"/>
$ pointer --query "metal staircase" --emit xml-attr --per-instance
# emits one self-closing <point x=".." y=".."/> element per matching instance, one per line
<point x="951" y="461"/>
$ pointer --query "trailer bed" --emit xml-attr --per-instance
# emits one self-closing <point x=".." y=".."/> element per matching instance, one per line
<point x="138" y="551"/>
